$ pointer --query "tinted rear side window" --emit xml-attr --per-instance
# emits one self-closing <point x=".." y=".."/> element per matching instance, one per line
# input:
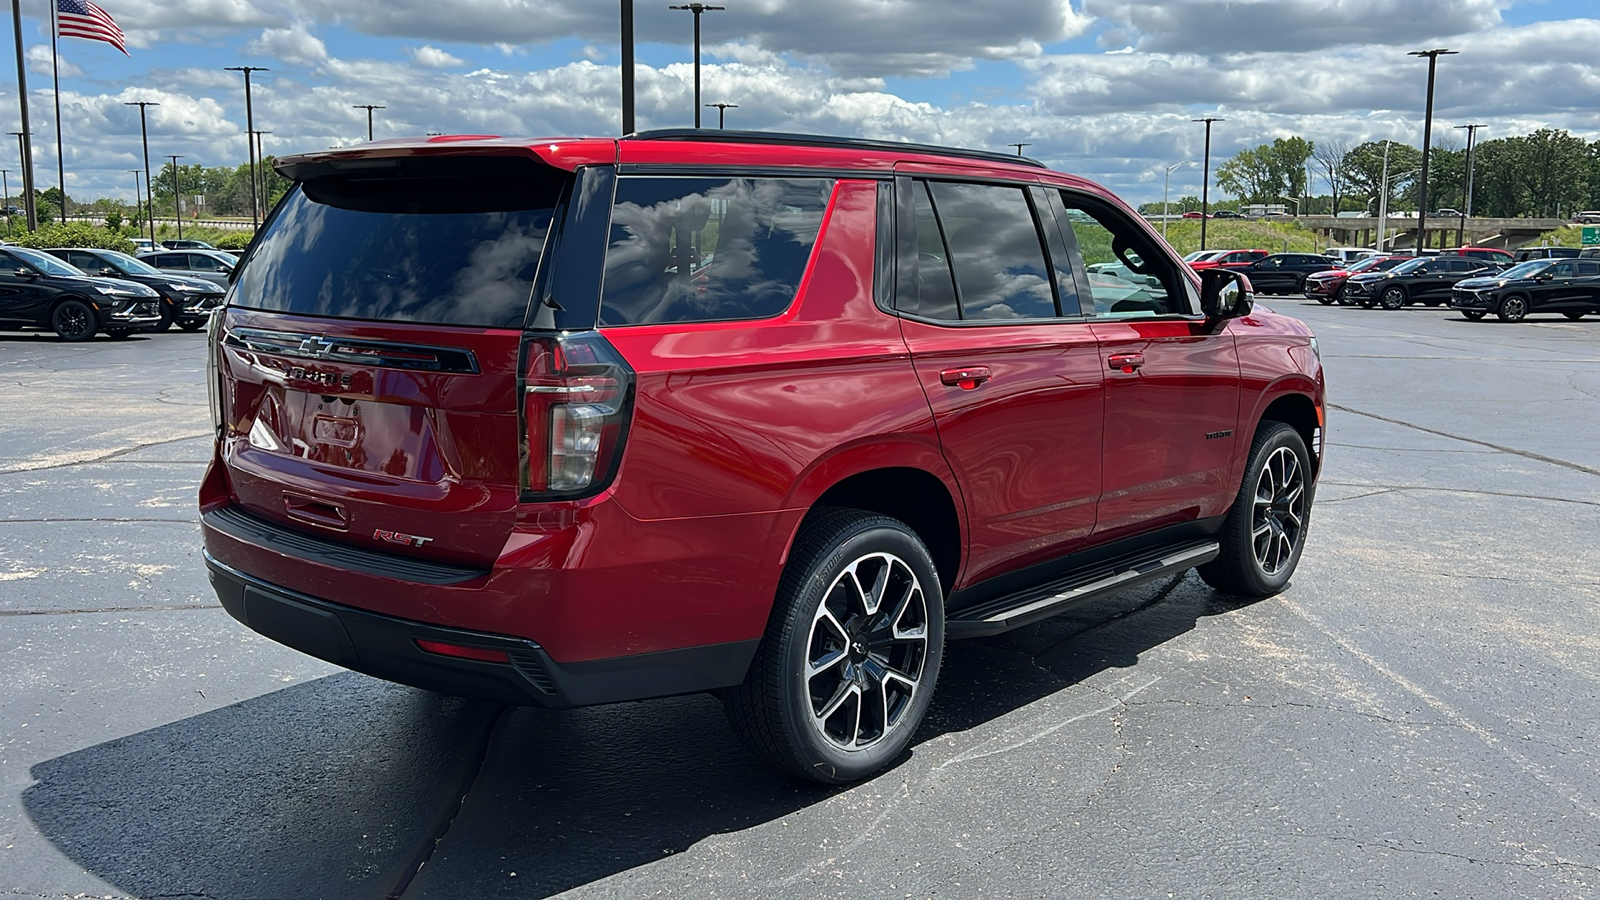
<point x="451" y="242"/>
<point x="995" y="248"/>
<point x="709" y="249"/>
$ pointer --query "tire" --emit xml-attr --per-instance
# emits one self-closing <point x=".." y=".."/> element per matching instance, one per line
<point x="1299" y="286"/>
<point x="167" y="315"/>
<point x="1393" y="298"/>
<point x="1474" y="315"/>
<point x="73" y="320"/>
<point x="1266" y="529"/>
<point x="1512" y="309"/>
<point x="806" y="705"/>
<point x="1325" y="299"/>
<point x="1574" y="316"/>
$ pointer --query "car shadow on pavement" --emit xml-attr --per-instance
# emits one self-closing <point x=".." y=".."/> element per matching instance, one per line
<point x="341" y="786"/>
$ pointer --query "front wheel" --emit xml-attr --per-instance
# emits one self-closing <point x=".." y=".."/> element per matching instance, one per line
<point x="1265" y="530"/>
<point x="1325" y="299"/>
<point x="1474" y="315"/>
<point x="73" y="320"/>
<point x="1512" y="309"/>
<point x="851" y="654"/>
<point x="1394" y="298"/>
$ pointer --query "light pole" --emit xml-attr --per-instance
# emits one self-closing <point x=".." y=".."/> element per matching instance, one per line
<point x="5" y="185"/>
<point x="1427" y="141"/>
<point x="1295" y="201"/>
<point x="25" y="136"/>
<point x="722" y="109"/>
<point x="144" y="137"/>
<point x="138" y="198"/>
<point x="627" y="66"/>
<point x="369" y="107"/>
<point x="266" y="197"/>
<point x="1019" y="145"/>
<point x="249" y="126"/>
<point x="698" y="9"/>
<point x="1461" y="227"/>
<point x="1165" y="189"/>
<point x="1205" y="183"/>
<point x="177" y="195"/>
<point x="28" y="204"/>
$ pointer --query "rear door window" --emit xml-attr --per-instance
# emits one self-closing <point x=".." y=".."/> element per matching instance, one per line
<point x="995" y="250"/>
<point x="451" y="241"/>
<point x="685" y="249"/>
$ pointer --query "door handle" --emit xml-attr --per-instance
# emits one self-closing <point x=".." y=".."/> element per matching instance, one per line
<point x="966" y="377"/>
<point x="1125" y="362"/>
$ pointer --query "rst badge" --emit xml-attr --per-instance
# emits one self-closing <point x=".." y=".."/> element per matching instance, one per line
<point x="395" y="537"/>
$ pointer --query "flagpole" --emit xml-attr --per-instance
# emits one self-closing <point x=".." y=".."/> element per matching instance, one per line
<point x="25" y="138"/>
<point x="61" y="145"/>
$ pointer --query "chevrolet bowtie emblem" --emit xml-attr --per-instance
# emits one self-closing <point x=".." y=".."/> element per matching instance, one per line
<point x="315" y="346"/>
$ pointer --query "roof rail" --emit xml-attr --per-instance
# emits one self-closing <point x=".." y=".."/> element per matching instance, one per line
<point x="821" y="140"/>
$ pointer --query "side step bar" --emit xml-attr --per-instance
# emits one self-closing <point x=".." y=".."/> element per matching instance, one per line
<point x="1043" y="601"/>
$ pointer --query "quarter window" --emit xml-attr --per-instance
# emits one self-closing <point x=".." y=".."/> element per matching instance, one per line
<point x="709" y="249"/>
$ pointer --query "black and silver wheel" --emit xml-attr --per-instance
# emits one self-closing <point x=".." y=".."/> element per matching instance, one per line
<point x="1512" y="309"/>
<point x="73" y="320"/>
<point x="1266" y="528"/>
<point x="1474" y="314"/>
<point x="847" y="667"/>
<point x="1394" y="297"/>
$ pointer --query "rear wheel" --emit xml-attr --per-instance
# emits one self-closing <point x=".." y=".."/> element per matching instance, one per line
<point x="1393" y="297"/>
<point x="73" y="320"/>
<point x="1512" y="309"/>
<point x="1474" y="314"/>
<point x="847" y="667"/>
<point x="1266" y="528"/>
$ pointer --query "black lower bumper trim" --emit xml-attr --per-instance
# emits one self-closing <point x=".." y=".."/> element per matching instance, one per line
<point x="386" y="647"/>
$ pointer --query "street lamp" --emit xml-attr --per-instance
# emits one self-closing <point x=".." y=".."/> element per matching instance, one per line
<point x="1461" y="226"/>
<point x="369" y="107"/>
<point x="1427" y="141"/>
<point x="1205" y="184"/>
<point x="24" y="137"/>
<point x="1295" y="201"/>
<point x="138" y="198"/>
<point x="144" y="137"/>
<point x="1164" y="190"/>
<point x="627" y="66"/>
<point x="698" y="9"/>
<point x="1019" y="145"/>
<point x="722" y="109"/>
<point x="177" y="195"/>
<point x="1383" y="201"/>
<point x="249" y="127"/>
<point x="28" y="203"/>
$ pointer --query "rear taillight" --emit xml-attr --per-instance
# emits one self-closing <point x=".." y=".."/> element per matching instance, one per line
<point x="214" y="387"/>
<point x="577" y="396"/>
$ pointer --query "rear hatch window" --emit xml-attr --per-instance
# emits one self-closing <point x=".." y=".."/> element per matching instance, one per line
<point x="454" y="241"/>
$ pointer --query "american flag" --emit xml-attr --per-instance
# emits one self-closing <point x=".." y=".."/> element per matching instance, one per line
<point x="80" y="18"/>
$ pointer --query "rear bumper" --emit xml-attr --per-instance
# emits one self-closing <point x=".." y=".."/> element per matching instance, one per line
<point x="386" y="647"/>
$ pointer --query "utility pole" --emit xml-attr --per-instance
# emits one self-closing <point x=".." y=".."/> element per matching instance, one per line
<point x="266" y="196"/>
<point x="698" y="9"/>
<point x="1472" y="132"/>
<point x="627" y="67"/>
<point x="149" y="193"/>
<point x="722" y="110"/>
<point x="369" y="107"/>
<point x="138" y="198"/>
<point x="249" y="145"/>
<point x="1383" y="200"/>
<point x="1019" y="146"/>
<point x="1427" y="143"/>
<point x="177" y="193"/>
<point x="24" y="137"/>
<point x="1205" y="183"/>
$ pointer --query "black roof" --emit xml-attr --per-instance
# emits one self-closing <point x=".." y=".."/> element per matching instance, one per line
<point x="822" y="140"/>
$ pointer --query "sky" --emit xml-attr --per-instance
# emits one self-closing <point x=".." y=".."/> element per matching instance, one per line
<point x="1105" y="89"/>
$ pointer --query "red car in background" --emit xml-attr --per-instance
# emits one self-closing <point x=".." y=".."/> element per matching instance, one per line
<point x="1230" y="260"/>
<point x="1326" y="287"/>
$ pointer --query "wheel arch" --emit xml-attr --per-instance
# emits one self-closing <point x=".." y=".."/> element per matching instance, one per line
<point x="94" y="309"/>
<point x="1298" y="410"/>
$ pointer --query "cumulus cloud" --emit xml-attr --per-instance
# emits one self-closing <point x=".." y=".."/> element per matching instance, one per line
<point x="39" y="62"/>
<point x="1241" y="26"/>
<point x="433" y="57"/>
<point x="295" y="44"/>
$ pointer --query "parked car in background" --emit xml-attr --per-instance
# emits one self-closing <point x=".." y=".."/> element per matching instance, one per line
<point x="1282" y="273"/>
<point x="1195" y="214"/>
<point x="1121" y="270"/>
<point x="212" y="265"/>
<point x="1523" y="254"/>
<point x="1589" y="253"/>
<point x="188" y="302"/>
<point x="1495" y="255"/>
<point x="1349" y="254"/>
<point x="1201" y="255"/>
<point x="1325" y="287"/>
<point x="1448" y="213"/>
<point x="144" y="245"/>
<point x="1226" y="214"/>
<point x="186" y="244"/>
<point x="1426" y="280"/>
<point x="39" y="291"/>
<point x="1231" y="259"/>
<point x="778" y="475"/>
<point x="1570" y="287"/>
<point x="1588" y="217"/>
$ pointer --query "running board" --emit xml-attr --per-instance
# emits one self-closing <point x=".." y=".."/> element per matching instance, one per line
<point x="1043" y="601"/>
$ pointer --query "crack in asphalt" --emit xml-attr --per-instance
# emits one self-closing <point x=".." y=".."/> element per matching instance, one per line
<point x="103" y="458"/>
<point x="1388" y="844"/>
<point x="194" y="521"/>
<point x="1403" y="449"/>
<point x="1403" y="488"/>
<point x="5" y="613"/>
<point x="1528" y="454"/>
<point x="1281" y="704"/>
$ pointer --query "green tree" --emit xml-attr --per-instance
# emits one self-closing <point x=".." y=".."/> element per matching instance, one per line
<point x="1554" y="170"/>
<point x="1263" y="174"/>
<point x="1362" y="170"/>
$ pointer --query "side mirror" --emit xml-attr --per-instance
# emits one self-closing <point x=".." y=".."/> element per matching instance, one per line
<point x="1225" y="294"/>
<point x="108" y="272"/>
<point x="23" y="272"/>
<point x="1546" y="275"/>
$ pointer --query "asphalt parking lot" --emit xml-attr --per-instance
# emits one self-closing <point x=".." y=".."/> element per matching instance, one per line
<point x="1415" y="716"/>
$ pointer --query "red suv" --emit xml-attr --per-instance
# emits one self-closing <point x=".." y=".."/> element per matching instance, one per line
<point x="567" y="422"/>
<point x="1232" y="259"/>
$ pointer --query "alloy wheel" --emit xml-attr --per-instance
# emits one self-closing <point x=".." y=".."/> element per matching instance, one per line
<point x="1512" y="309"/>
<point x="1279" y="514"/>
<point x="1394" y="298"/>
<point x="72" y="321"/>
<point x="866" y="652"/>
